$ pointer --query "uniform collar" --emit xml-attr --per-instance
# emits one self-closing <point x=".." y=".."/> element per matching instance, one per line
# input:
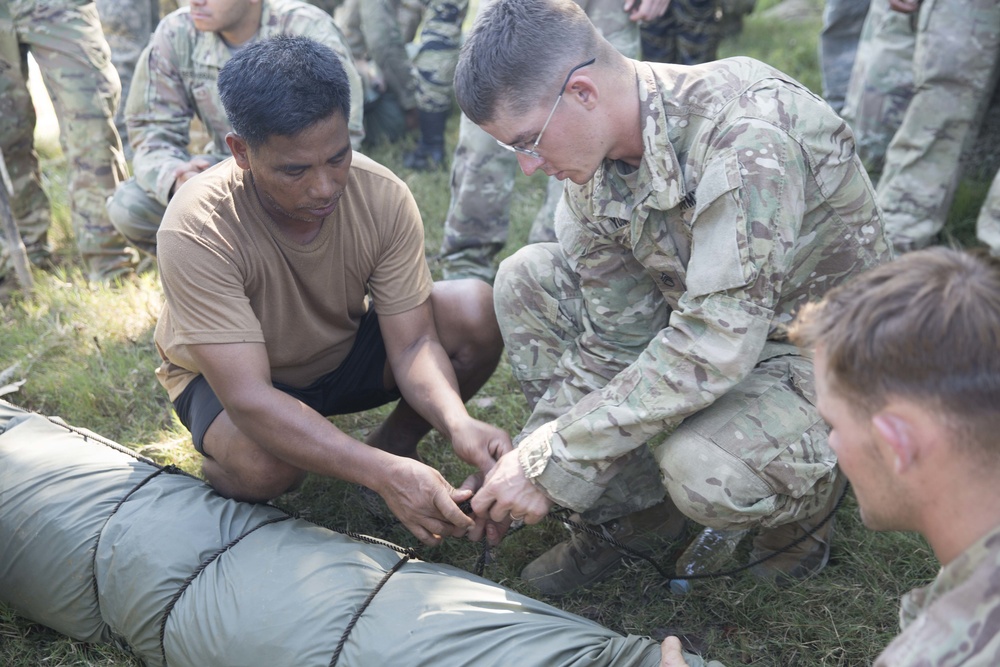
<point x="659" y="181"/>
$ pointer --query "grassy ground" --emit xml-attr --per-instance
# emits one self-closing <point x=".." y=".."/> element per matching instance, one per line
<point x="86" y="353"/>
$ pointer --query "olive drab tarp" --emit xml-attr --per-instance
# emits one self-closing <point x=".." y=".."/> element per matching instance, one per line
<point x="102" y="545"/>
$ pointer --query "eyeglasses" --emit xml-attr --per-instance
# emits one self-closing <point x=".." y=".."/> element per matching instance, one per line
<point x="533" y="151"/>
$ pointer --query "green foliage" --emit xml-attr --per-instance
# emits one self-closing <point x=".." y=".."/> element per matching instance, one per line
<point x="86" y="354"/>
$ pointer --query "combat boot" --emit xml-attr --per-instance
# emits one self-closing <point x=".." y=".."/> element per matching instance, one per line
<point x="585" y="559"/>
<point x="429" y="152"/>
<point x="807" y="557"/>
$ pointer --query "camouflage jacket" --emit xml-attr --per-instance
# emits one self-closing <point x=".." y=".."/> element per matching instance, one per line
<point x="748" y="202"/>
<point x="956" y="619"/>
<point x="175" y="80"/>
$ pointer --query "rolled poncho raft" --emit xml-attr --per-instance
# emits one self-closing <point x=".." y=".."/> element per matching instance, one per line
<point x="102" y="545"/>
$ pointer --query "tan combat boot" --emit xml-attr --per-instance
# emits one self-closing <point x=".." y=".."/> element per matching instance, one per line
<point x="809" y="556"/>
<point x="585" y="559"/>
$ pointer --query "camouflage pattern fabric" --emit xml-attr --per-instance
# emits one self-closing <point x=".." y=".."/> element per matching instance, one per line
<point x="437" y="54"/>
<point x="881" y="82"/>
<point x="65" y="39"/>
<point x="664" y="305"/>
<point x="380" y="29"/>
<point x="482" y="174"/>
<point x="988" y="223"/>
<point x="128" y="25"/>
<point x="373" y="31"/>
<point x="175" y="80"/>
<point x="688" y="33"/>
<point x="954" y="64"/>
<point x="954" y="621"/>
<point x="838" y="44"/>
<point x="328" y="6"/>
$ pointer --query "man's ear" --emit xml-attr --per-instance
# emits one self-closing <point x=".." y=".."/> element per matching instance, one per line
<point x="900" y="435"/>
<point x="238" y="147"/>
<point x="583" y="89"/>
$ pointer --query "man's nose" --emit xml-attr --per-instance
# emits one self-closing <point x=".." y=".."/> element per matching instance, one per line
<point x="529" y="165"/>
<point x="322" y="186"/>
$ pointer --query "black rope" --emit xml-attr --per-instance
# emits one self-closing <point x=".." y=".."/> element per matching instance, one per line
<point x="605" y="535"/>
<point x="198" y="570"/>
<point x="364" y="605"/>
<point x="97" y="540"/>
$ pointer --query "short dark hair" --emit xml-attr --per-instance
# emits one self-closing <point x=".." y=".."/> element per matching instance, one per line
<point x="925" y="327"/>
<point x="281" y="86"/>
<point x="517" y="52"/>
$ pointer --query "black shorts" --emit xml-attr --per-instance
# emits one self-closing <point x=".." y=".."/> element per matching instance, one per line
<point x="354" y="386"/>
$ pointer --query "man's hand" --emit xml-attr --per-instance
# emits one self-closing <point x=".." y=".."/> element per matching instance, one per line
<point x="507" y="494"/>
<point x="645" y="10"/>
<point x="424" y="501"/>
<point x="184" y="172"/>
<point x="904" y="6"/>
<point x="480" y="444"/>
<point x="484" y="527"/>
<point x="670" y="653"/>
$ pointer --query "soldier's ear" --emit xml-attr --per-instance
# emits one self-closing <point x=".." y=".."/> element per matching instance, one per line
<point x="898" y="432"/>
<point x="238" y="147"/>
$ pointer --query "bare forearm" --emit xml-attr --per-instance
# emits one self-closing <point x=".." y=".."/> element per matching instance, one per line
<point x="298" y="435"/>
<point x="427" y="381"/>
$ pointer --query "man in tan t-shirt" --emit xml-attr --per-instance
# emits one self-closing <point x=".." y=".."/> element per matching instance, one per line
<point x="296" y="288"/>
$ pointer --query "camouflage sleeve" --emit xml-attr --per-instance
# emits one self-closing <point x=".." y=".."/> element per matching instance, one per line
<point x="749" y="207"/>
<point x="158" y="113"/>
<point x="380" y="27"/>
<point x="440" y="40"/>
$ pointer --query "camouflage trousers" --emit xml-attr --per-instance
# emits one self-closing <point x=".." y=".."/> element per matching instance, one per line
<point x="988" y="224"/>
<point x="437" y="54"/>
<point x="758" y="456"/>
<point x="66" y="42"/>
<point x="881" y="83"/>
<point x="955" y="65"/>
<point x="128" y="25"/>
<point x="838" y="44"/>
<point x="482" y="175"/>
<point x="688" y="33"/>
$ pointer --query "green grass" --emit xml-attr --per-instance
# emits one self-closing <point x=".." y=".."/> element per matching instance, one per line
<point x="86" y="354"/>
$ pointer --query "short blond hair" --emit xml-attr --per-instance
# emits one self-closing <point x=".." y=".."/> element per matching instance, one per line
<point x="925" y="327"/>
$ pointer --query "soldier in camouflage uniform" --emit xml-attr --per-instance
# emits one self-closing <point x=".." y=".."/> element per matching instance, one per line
<point x="707" y="205"/>
<point x="127" y="26"/>
<point x="916" y="435"/>
<point x="843" y="21"/>
<point x="421" y="86"/>
<point x="482" y="174"/>
<point x="955" y="60"/>
<point x="65" y="38"/>
<point x="175" y="81"/>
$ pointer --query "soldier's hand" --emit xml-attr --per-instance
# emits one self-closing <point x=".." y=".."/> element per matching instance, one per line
<point x="670" y="653"/>
<point x="424" y="501"/>
<point x="480" y="444"/>
<point x="184" y="172"/>
<point x="904" y="6"/>
<point x="645" y="10"/>
<point x="508" y="495"/>
<point x="493" y="531"/>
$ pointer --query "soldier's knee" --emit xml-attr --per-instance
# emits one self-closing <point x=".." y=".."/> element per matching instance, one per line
<point x="524" y="269"/>
<point x="136" y="215"/>
<point x="711" y="487"/>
